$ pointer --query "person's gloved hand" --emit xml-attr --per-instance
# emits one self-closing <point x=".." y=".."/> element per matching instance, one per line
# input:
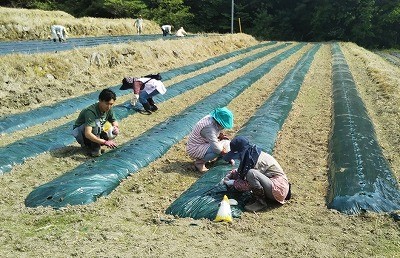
<point x="232" y="162"/>
<point x="229" y="182"/>
<point x="116" y="130"/>
<point x="223" y="180"/>
<point x="110" y="144"/>
<point x="233" y="171"/>
<point x="134" y="99"/>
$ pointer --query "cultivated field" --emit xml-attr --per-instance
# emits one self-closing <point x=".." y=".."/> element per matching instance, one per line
<point x="131" y="221"/>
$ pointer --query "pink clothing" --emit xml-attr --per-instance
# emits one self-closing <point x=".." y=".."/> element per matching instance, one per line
<point x="239" y="184"/>
<point x="268" y="165"/>
<point x="280" y="188"/>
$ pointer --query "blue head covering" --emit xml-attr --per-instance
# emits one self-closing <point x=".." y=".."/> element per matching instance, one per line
<point x="223" y="116"/>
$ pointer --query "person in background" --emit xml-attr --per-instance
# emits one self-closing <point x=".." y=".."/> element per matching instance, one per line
<point x="166" y="29"/>
<point x="258" y="172"/>
<point x="58" y="32"/>
<point x="206" y="141"/>
<point x="89" y="128"/>
<point x="144" y="89"/>
<point x="181" y="32"/>
<point x="139" y="25"/>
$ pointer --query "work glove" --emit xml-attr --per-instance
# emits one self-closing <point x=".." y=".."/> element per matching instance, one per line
<point x="231" y="174"/>
<point x="229" y="182"/>
<point x="223" y="180"/>
<point x="134" y="99"/>
<point x="110" y="144"/>
<point x="116" y="130"/>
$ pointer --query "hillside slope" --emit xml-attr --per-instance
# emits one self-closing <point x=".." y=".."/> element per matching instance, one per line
<point x="24" y="24"/>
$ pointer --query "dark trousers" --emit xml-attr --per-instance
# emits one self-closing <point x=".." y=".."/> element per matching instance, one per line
<point x="79" y="134"/>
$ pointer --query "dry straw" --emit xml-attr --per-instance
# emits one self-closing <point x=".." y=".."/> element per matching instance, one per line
<point x="18" y="24"/>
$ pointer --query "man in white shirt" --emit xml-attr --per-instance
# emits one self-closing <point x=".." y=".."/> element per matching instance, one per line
<point x="58" y="32"/>
<point x="139" y="25"/>
<point x="166" y="29"/>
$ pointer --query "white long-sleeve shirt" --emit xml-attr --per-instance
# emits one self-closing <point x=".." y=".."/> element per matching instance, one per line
<point x="58" y="32"/>
<point x="181" y="32"/>
<point x="153" y="84"/>
<point x="167" y="28"/>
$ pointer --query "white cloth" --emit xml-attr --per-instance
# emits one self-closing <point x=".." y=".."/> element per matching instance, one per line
<point x="139" y="25"/>
<point x="166" y="28"/>
<point x="134" y="100"/>
<point x="181" y="32"/>
<point x="153" y="84"/>
<point x="58" y="32"/>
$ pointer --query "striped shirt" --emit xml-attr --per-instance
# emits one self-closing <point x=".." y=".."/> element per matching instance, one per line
<point x="200" y="140"/>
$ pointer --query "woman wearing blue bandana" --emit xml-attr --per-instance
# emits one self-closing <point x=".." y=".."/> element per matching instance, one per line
<point x="206" y="141"/>
<point x="258" y="172"/>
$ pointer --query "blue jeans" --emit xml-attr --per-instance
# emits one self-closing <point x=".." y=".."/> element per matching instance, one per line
<point x="143" y="96"/>
<point x="210" y="155"/>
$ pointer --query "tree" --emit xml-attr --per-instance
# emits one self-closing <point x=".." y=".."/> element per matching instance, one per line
<point x="112" y="8"/>
<point x="369" y="23"/>
<point x="386" y="24"/>
<point x="126" y="8"/>
<point x="211" y="16"/>
<point x="173" y="12"/>
<point x="346" y="20"/>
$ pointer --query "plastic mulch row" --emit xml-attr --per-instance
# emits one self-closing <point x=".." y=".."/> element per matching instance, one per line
<point x="360" y="176"/>
<point x="45" y="46"/>
<point x="91" y="180"/>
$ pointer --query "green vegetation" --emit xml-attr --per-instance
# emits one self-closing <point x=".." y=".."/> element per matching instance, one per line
<point x="369" y="23"/>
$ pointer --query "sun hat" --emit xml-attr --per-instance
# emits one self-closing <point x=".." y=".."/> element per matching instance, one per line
<point x="238" y="145"/>
<point x="223" y="116"/>
<point x="127" y="83"/>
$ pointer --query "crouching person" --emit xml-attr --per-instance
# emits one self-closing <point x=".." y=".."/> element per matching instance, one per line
<point x="97" y="124"/>
<point x="144" y="89"/>
<point x="206" y="141"/>
<point x="58" y="32"/>
<point x="258" y="172"/>
<point x="181" y="32"/>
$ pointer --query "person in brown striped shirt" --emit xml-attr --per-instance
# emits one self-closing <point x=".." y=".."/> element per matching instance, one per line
<point x="206" y="141"/>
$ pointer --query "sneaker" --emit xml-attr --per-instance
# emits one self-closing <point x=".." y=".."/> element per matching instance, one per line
<point x="145" y="112"/>
<point x="258" y="205"/>
<point x="153" y="108"/>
